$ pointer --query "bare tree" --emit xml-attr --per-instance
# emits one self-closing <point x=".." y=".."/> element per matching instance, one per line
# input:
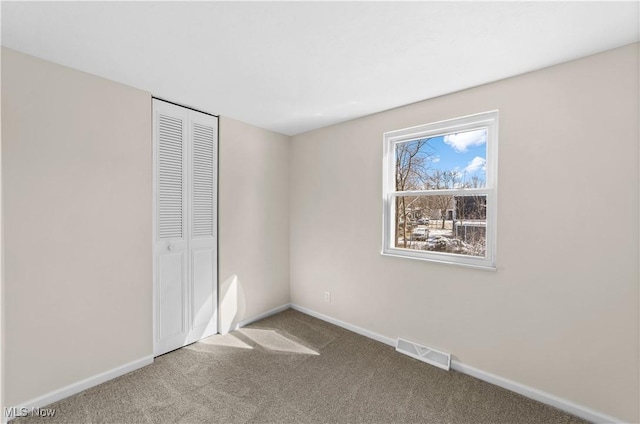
<point x="442" y="180"/>
<point x="475" y="182"/>
<point x="412" y="166"/>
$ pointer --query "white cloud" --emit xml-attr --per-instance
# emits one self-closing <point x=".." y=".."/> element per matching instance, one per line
<point x="435" y="159"/>
<point x="476" y="164"/>
<point x="460" y="142"/>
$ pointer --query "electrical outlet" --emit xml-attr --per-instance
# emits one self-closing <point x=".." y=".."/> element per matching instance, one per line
<point x="327" y="297"/>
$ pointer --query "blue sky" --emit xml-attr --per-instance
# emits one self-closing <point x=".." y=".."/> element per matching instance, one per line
<point x="463" y="152"/>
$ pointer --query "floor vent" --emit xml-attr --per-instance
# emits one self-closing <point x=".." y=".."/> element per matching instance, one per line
<point x="425" y="354"/>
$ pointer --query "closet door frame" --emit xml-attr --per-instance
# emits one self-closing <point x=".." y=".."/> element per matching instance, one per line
<point x="192" y="335"/>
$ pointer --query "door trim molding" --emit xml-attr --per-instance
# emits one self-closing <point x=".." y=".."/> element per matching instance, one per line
<point x="184" y="106"/>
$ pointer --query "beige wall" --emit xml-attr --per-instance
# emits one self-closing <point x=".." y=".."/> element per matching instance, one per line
<point x="76" y="170"/>
<point x="253" y="221"/>
<point x="561" y="312"/>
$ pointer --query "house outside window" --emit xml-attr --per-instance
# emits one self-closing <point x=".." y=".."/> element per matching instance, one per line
<point x="440" y="191"/>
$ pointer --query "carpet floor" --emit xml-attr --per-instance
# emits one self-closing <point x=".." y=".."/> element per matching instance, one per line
<point x="292" y="368"/>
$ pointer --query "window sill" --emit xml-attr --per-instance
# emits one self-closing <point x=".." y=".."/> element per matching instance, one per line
<point x="402" y="254"/>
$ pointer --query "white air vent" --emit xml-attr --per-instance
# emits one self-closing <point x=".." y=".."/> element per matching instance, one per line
<point x="425" y="354"/>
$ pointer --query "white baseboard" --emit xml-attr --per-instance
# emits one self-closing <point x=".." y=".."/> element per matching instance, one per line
<point x="85" y="384"/>
<point x="346" y="325"/>
<point x="529" y="392"/>
<point x="261" y="316"/>
<point x="535" y="394"/>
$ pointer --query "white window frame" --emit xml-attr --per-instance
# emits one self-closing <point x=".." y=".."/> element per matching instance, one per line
<point x="488" y="120"/>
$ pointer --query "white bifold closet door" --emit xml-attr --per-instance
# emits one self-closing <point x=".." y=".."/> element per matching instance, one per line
<point x="185" y="226"/>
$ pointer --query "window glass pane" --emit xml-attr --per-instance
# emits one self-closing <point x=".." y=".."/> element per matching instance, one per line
<point x="455" y="160"/>
<point x="448" y="224"/>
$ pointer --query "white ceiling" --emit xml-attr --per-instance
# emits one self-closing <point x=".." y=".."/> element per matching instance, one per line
<point x="295" y="66"/>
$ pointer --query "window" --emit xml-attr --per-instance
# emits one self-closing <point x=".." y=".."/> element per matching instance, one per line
<point x="440" y="191"/>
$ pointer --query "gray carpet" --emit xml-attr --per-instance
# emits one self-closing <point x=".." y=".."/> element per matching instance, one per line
<point x="292" y="368"/>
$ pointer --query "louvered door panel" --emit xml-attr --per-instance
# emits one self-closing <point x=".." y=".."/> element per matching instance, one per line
<point x="203" y="139"/>
<point x="170" y="178"/>
<point x="203" y="180"/>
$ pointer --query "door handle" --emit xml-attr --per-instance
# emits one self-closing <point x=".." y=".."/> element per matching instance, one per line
<point x="170" y="247"/>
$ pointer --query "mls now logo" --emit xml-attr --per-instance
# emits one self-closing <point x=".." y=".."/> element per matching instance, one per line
<point x="15" y="412"/>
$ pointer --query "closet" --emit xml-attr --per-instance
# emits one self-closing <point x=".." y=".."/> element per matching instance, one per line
<point x="185" y="226"/>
